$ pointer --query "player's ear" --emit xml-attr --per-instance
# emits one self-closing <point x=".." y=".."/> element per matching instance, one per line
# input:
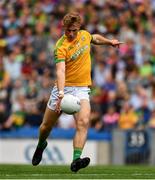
<point x="62" y="23"/>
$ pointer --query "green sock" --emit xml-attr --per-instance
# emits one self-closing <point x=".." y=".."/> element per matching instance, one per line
<point x="41" y="144"/>
<point x="77" y="153"/>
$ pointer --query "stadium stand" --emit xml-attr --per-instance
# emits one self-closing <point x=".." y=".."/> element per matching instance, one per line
<point x="28" y="32"/>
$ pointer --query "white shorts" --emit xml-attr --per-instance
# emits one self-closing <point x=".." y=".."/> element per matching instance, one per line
<point x="80" y="92"/>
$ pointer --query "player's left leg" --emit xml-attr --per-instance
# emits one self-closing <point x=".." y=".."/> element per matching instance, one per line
<point x="82" y="125"/>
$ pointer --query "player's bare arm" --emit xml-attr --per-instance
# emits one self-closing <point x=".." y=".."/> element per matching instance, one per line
<point x="60" y="73"/>
<point x="100" y="40"/>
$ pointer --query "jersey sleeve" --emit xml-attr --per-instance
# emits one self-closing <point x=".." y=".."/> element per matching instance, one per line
<point x="89" y="36"/>
<point x="59" y="55"/>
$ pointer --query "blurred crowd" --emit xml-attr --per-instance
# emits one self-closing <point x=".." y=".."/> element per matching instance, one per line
<point x="123" y="90"/>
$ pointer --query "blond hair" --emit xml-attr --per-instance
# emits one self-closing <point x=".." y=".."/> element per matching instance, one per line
<point x="71" y="18"/>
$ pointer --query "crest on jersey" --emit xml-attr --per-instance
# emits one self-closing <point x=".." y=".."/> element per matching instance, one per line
<point x="83" y="38"/>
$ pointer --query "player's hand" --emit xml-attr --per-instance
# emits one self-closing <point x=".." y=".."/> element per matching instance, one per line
<point x="58" y="109"/>
<point x="116" y="43"/>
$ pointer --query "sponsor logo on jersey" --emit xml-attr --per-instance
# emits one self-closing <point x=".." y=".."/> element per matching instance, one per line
<point x="79" y="52"/>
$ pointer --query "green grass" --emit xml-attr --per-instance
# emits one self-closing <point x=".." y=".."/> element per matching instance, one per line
<point x="63" y="172"/>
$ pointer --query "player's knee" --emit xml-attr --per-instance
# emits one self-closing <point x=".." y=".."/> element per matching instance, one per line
<point x="83" y="123"/>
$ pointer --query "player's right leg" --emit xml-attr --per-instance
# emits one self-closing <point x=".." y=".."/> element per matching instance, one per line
<point x="82" y="124"/>
<point x="49" y="120"/>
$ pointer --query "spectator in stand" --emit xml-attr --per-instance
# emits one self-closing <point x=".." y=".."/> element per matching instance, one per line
<point x="144" y="113"/>
<point x="110" y="119"/>
<point x="40" y="38"/>
<point x="136" y="98"/>
<point x="151" y="123"/>
<point x="4" y="75"/>
<point x="12" y="66"/>
<point x="122" y="95"/>
<point x="4" y="94"/>
<point x="27" y="67"/>
<point x="110" y="84"/>
<point x="128" y="118"/>
<point x="42" y="63"/>
<point x="133" y="79"/>
<point x="12" y="37"/>
<point x="17" y="115"/>
<point x="99" y="73"/>
<point x="29" y="30"/>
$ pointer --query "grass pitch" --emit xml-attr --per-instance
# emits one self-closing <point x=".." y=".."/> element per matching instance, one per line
<point x="63" y="172"/>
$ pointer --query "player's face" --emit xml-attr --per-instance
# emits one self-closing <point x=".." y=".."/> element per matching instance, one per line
<point x="71" y="32"/>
